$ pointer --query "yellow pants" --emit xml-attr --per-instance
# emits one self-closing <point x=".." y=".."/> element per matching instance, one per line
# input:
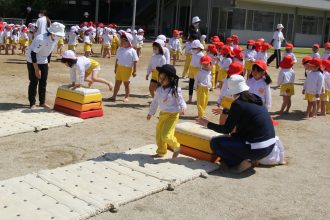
<point x="192" y="71"/>
<point x="72" y="47"/>
<point x="287" y="89"/>
<point x="94" y="66"/>
<point x="165" y="132"/>
<point x="328" y="103"/>
<point x="214" y="70"/>
<point x="123" y="73"/>
<point x="226" y="102"/>
<point x="177" y="55"/>
<point x="202" y="99"/>
<point x="248" y="65"/>
<point x="154" y="74"/>
<point x="222" y="75"/>
<point x="186" y="65"/>
<point x="87" y="47"/>
<point x="114" y="49"/>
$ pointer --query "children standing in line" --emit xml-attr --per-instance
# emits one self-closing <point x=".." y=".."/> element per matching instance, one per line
<point x="249" y="57"/>
<point x="313" y="87"/>
<point x="157" y="60"/>
<point x="259" y="83"/>
<point x="125" y="66"/>
<point x="289" y="52"/>
<point x="315" y="53"/>
<point x="7" y="37"/>
<point x="285" y="80"/>
<point x="326" y="53"/>
<point x="224" y="63"/>
<point x="203" y="84"/>
<point x="84" y="67"/>
<point x="197" y="53"/>
<point x="171" y="103"/>
<point x="174" y="46"/>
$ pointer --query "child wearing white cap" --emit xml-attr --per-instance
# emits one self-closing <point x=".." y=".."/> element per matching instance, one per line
<point x="125" y="66"/>
<point x="139" y="41"/>
<point x="72" y="38"/>
<point x="165" y="49"/>
<point x="106" y="42"/>
<point x="84" y="67"/>
<point x="203" y="38"/>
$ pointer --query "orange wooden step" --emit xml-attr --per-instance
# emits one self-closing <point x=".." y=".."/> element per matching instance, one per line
<point x="77" y="106"/>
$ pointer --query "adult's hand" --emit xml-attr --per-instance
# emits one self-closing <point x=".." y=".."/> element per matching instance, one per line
<point x="202" y="121"/>
<point x="217" y="111"/>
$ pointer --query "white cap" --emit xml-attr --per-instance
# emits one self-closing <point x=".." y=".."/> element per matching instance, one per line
<point x="107" y="30"/>
<point x="69" y="54"/>
<point x="162" y="37"/>
<point x="237" y="84"/>
<point x="203" y="37"/>
<point x="128" y="36"/>
<point x="195" y="19"/>
<point x="128" y="30"/>
<point x="279" y="26"/>
<point x="86" y="13"/>
<point x="134" y="32"/>
<point x="140" y="30"/>
<point x="197" y="44"/>
<point x="57" y="29"/>
<point x="160" y="42"/>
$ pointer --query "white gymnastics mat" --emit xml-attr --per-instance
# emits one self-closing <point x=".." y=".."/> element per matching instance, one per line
<point x="26" y="120"/>
<point x="82" y="190"/>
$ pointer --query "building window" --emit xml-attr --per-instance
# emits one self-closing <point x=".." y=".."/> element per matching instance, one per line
<point x="236" y="19"/>
<point x="309" y="25"/>
<point x="263" y="21"/>
<point x="249" y="20"/>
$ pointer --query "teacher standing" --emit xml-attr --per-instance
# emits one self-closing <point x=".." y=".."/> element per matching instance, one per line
<point x="277" y="42"/>
<point x="252" y="132"/>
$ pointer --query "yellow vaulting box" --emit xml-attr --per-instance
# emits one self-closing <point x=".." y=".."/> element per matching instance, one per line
<point x="79" y="95"/>
<point x="195" y="136"/>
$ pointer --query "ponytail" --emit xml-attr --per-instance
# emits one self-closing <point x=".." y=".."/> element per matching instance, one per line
<point x="268" y="80"/>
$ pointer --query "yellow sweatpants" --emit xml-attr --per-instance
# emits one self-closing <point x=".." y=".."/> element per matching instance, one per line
<point x="165" y="132"/>
<point x="202" y="99"/>
<point x="186" y="65"/>
<point x="214" y="70"/>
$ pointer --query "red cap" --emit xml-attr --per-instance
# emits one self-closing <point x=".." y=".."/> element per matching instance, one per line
<point x="326" y="65"/>
<point x="8" y="28"/>
<point x="327" y="45"/>
<point x="287" y="62"/>
<point x="235" y="39"/>
<point x="306" y="59"/>
<point x="261" y="40"/>
<point x="234" y="36"/>
<point x="211" y="47"/>
<point x="258" y="45"/>
<point x="238" y="53"/>
<point x="24" y="29"/>
<point x="235" y="68"/>
<point x="175" y="32"/>
<point x="215" y="39"/>
<point x="251" y="42"/>
<point x="110" y="25"/>
<point x="289" y="46"/>
<point x="205" y="59"/>
<point x="101" y="25"/>
<point x="316" y="45"/>
<point x="316" y="62"/>
<point x="265" y="46"/>
<point x="226" y="50"/>
<point x="262" y="64"/>
<point x="90" y="23"/>
<point x="85" y="23"/>
<point x="228" y="40"/>
<point x="218" y="45"/>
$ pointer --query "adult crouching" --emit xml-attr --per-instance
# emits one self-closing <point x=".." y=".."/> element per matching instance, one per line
<point x="252" y="132"/>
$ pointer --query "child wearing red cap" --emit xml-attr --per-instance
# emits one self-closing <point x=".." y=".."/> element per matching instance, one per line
<point x="305" y="62"/>
<point x="203" y="84"/>
<point x="249" y="57"/>
<point x="235" y="41"/>
<point x="285" y="80"/>
<point x="313" y="87"/>
<point x="315" y="51"/>
<point x="259" y="83"/>
<point x="213" y="53"/>
<point x="229" y="43"/>
<point x="224" y="63"/>
<point x="175" y="46"/>
<point x="289" y="52"/>
<point x="326" y="73"/>
<point x="24" y="39"/>
<point x="326" y="53"/>
<point x="238" y="54"/>
<point x="262" y="51"/>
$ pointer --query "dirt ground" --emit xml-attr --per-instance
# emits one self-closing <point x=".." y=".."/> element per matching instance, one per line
<point x="299" y="190"/>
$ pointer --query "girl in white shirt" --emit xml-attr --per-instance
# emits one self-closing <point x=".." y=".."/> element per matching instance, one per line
<point x="313" y="87"/>
<point x="157" y="60"/>
<point x="249" y="57"/>
<point x="171" y="103"/>
<point x="224" y="63"/>
<point x="175" y="46"/>
<point x="315" y="50"/>
<point x="285" y="80"/>
<point x="259" y="83"/>
<point x="288" y="52"/>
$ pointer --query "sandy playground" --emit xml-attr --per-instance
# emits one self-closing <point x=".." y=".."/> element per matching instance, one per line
<point x="300" y="190"/>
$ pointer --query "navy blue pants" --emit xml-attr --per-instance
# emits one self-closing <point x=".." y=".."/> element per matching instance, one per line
<point x="233" y="150"/>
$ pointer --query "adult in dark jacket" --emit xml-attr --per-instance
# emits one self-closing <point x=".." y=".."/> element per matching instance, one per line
<point x="254" y="135"/>
<point x="194" y="27"/>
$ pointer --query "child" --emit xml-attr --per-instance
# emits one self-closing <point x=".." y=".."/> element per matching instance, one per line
<point x="315" y="50"/>
<point x="84" y="67"/>
<point x="14" y="40"/>
<point x="229" y="43"/>
<point x="165" y="49"/>
<point x="326" y="72"/>
<point x="1" y="38"/>
<point x="106" y="42"/>
<point x="313" y="87"/>
<point x="238" y="54"/>
<point x="197" y="53"/>
<point x="218" y="46"/>
<point x="203" y="38"/>
<point x="188" y="55"/>
<point x="7" y="37"/>
<point x="249" y="57"/>
<point x="235" y="40"/>
<point x="114" y="43"/>
<point x="60" y="45"/>
<point x="213" y="53"/>
<point x="157" y="60"/>
<point x="24" y="40"/>
<point x="326" y="53"/>
<point x="87" y="43"/>
<point x="174" y="46"/>
<point x="125" y="66"/>
<point x="181" y="45"/>
<point x="288" y="52"/>
<point x="203" y="84"/>
<point x="224" y="63"/>
<point x="305" y="62"/>
<point x="285" y="80"/>
<point x="263" y="49"/>
<point x="170" y="101"/>
<point x="72" y="38"/>
<point x="139" y="38"/>
<point x="259" y="83"/>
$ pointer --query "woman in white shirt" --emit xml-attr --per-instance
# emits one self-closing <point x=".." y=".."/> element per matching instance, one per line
<point x="276" y="42"/>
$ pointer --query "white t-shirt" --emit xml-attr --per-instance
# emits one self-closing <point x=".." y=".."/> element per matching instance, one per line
<point x="126" y="56"/>
<point x="72" y="38"/>
<point x="196" y="59"/>
<point x="313" y="83"/>
<point x="278" y="38"/>
<point x="157" y="60"/>
<point x="2" y="37"/>
<point x="87" y="40"/>
<point x="106" y="39"/>
<point x="83" y="63"/>
<point x="203" y="78"/>
<point x="41" y="24"/>
<point x="285" y="76"/>
<point x="43" y="46"/>
<point x="261" y="89"/>
<point x="167" y="55"/>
